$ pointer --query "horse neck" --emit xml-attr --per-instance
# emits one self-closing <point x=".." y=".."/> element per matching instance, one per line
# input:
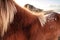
<point x="24" y="15"/>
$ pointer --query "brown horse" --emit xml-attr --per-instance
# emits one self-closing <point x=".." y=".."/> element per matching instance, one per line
<point x="52" y="22"/>
<point x="51" y="27"/>
<point x="16" y="23"/>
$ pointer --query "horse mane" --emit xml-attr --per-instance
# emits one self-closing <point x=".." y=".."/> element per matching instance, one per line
<point x="13" y="14"/>
<point x="26" y="25"/>
<point x="7" y="12"/>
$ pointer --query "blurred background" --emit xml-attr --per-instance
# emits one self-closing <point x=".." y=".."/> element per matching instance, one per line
<point x="42" y="4"/>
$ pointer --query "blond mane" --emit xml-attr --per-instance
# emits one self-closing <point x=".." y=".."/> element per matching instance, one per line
<point x="7" y="12"/>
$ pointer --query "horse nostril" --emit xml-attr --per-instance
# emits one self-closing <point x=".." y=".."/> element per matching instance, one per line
<point x="59" y="38"/>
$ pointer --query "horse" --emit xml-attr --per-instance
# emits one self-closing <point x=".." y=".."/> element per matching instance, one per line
<point x="32" y="8"/>
<point x="16" y="23"/>
<point x="52" y="20"/>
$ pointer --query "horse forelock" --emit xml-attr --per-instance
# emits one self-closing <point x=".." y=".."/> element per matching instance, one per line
<point x="7" y="12"/>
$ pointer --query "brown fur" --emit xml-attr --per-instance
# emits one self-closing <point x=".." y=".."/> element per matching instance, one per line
<point x="26" y="26"/>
